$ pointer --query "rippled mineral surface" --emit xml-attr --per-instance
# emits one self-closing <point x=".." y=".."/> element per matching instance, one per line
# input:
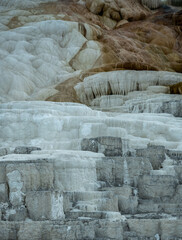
<point x="90" y="120"/>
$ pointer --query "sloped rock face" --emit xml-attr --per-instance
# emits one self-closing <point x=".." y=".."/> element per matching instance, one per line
<point x="108" y="170"/>
<point x="101" y="42"/>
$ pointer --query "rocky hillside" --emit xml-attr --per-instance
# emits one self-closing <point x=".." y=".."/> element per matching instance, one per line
<point x="66" y="41"/>
<point x="90" y="120"/>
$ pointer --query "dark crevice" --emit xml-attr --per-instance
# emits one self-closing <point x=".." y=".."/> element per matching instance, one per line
<point x="137" y="87"/>
<point x="101" y="12"/>
<point x="109" y="89"/>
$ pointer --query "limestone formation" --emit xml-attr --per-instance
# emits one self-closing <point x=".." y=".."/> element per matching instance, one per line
<point x="64" y="125"/>
<point x="105" y="41"/>
<point x="123" y="82"/>
<point x="90" y="120"/>
<point x="125" y="184"/>
<point x="132" y="91"/>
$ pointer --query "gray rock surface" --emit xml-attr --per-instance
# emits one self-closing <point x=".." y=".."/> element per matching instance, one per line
<point x="4" y="151"/>
<point x="156" y="186"/>
<point x="25" y="149"/>
<point x="156" y="155"/>
<point x="45" y="205"/>
<point x="65" y="195"/>
<point x="110" y="146"/>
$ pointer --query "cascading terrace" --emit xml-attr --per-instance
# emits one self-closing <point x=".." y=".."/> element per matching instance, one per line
<point x="90" y="120"/>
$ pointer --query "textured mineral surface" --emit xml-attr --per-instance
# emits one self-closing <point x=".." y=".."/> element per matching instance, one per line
<point x="90" y="120"/>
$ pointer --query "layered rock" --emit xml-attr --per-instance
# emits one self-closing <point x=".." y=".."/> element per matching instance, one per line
<point x="63" y="125"/>
<point x="133" y="91"/>
<point x="124" y="82"/>
<point x="154" y="43"/>
<point x="112" y="171"/>
<point x="82" y="195"/>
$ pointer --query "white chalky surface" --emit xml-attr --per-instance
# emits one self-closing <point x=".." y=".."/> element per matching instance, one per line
<point x="35" y="54"/>
<point x="63" y="125"/>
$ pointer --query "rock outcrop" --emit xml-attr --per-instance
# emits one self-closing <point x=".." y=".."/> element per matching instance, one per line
<point x="111" y="11"/>
<point x="90" y="120"/>
<point x="106" y="41"/>
<point x="133" y="91"/>
<point x="85" y="195"/>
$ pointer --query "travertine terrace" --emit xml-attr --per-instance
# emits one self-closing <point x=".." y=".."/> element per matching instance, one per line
<point x="90" y="120"/>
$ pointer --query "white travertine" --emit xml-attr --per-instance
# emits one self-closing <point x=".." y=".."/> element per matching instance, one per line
<point x="124" y="82"/>
<point x="36" y="55"/>
<point x="63" y="125"/>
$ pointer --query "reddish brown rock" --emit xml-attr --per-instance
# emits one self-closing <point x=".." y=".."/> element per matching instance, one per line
<point x="144" y="40"/>
<point x="176" y="89"/>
